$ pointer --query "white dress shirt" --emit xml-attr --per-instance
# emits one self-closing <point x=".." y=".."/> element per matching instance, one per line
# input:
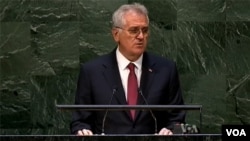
<point x="124" y="71"/>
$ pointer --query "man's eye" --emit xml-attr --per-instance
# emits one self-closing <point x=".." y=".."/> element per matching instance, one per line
<point x="145" y="30"/>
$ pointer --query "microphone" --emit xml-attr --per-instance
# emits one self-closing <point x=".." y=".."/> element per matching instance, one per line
<point x="106" y="113"/>
<point x="152" y="114"/>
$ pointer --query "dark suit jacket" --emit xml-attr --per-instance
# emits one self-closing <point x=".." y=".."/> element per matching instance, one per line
<point x="100" y="77"/>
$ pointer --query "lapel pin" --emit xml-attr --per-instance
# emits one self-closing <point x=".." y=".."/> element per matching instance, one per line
<point x="150" y="70"/>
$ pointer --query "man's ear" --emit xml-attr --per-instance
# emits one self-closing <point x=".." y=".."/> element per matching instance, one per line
<point x="115" y="33"/>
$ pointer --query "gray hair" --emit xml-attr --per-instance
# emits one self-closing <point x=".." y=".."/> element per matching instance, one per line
<point x="118" y="15"/>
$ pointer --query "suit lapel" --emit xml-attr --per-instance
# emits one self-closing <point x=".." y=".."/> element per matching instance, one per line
<point x="112" y="75"/>
<point x="147" y="77"/>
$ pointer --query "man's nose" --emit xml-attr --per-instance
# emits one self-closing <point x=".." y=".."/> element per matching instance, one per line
<point x="140" y="34"/>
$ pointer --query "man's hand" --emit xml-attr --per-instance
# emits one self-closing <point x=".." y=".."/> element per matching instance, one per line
<point x="84" y="132"/>
<point x="165" y="131"/>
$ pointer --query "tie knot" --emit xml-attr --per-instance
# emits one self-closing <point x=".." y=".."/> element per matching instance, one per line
<point x="131" y="66"/>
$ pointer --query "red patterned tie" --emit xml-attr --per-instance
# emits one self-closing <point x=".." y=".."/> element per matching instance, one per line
<point x="132" y="88"/>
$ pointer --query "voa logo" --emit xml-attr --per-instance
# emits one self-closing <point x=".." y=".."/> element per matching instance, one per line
<point x="236" y="132"/>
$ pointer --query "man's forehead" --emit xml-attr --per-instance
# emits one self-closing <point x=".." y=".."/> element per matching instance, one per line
<point x="135" y="19"/>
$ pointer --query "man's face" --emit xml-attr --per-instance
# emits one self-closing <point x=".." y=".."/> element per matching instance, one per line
<point x="133" y="36"/>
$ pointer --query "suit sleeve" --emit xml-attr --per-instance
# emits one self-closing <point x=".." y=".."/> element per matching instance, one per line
<point x="82" y="119"/>
<point x="175" y="98"/>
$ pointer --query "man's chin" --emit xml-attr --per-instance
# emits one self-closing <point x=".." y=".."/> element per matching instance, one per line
<point x="139" y="47"/>
<point x="139" y="52"/>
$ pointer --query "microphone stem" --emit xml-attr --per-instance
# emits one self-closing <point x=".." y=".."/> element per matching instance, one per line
<point x="106" y="113"/>
<point x="152" y="114"/>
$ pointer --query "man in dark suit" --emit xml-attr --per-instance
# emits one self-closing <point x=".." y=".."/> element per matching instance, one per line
<point x="105" y="80"/>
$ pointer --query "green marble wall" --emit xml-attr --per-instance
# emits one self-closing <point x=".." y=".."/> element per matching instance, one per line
<point x="42" y="43"/>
